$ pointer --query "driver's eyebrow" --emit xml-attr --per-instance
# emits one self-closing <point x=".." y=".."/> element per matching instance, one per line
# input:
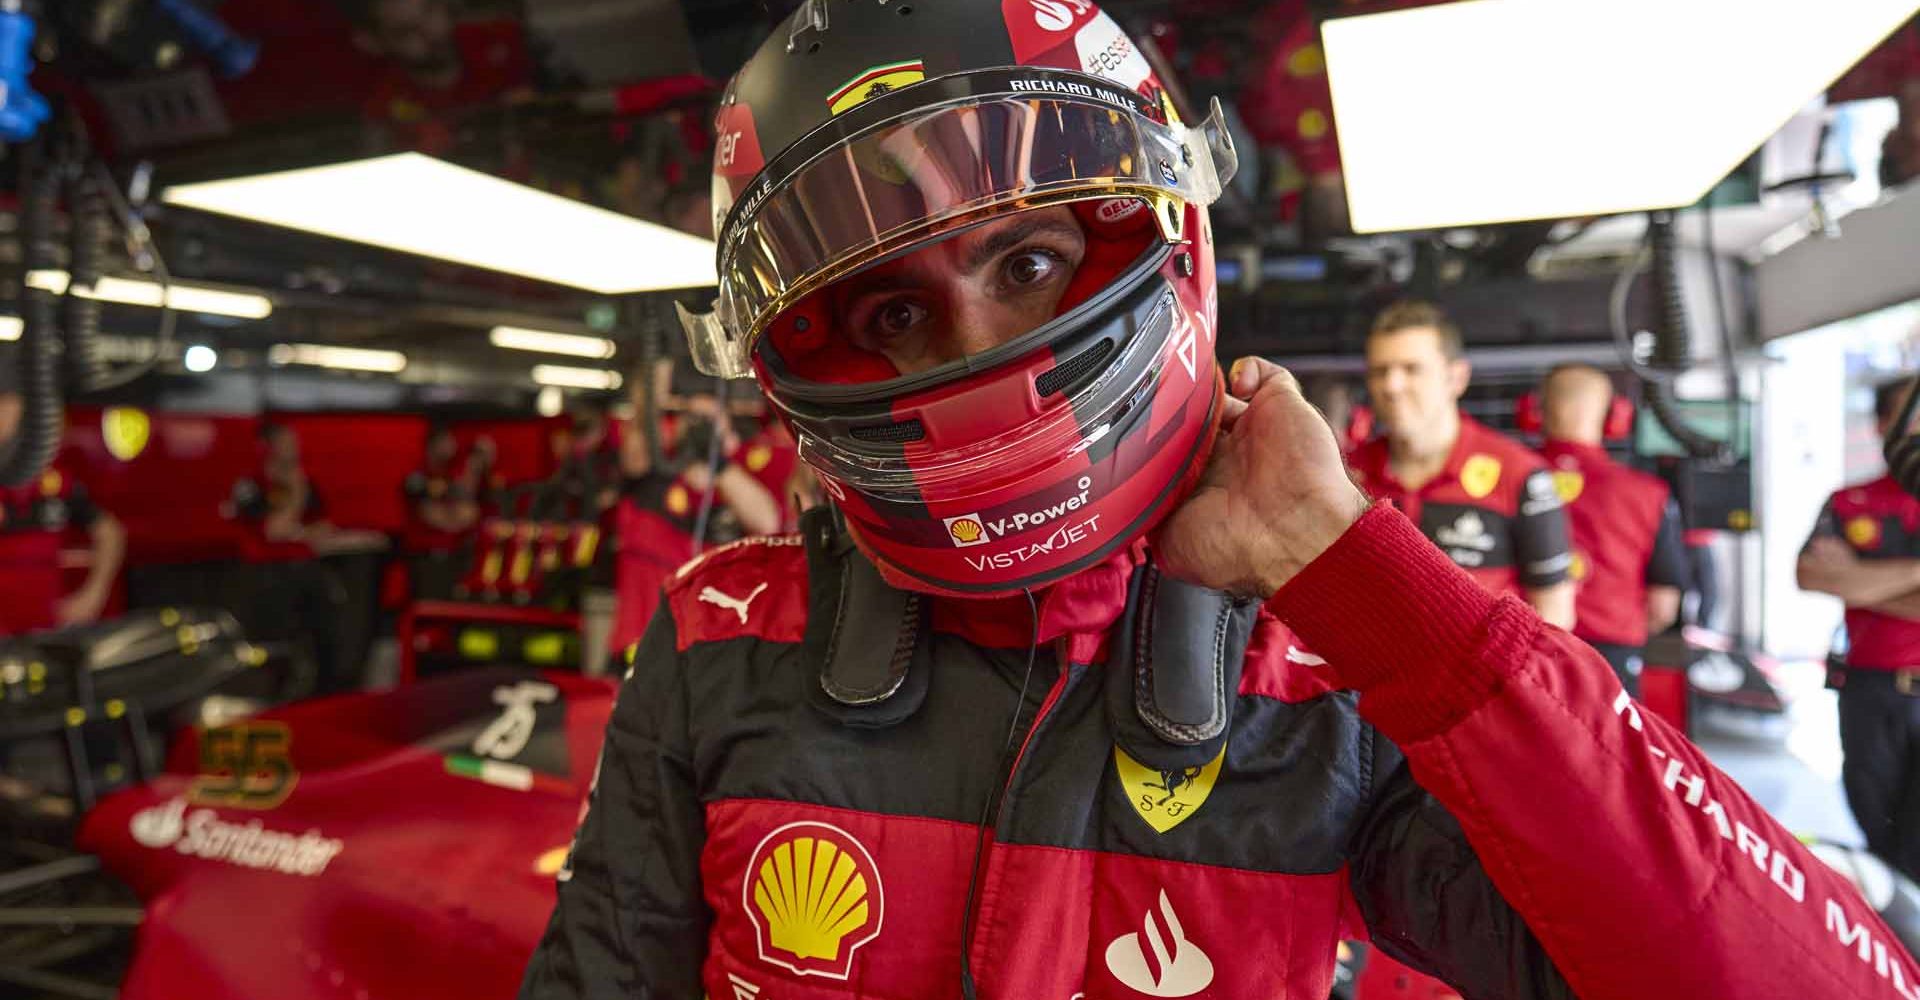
<point x="982" y="253"/>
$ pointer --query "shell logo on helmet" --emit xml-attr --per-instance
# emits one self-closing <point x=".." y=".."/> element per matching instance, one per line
<point x="815" y="897"/>
<point x="966" y="530"/>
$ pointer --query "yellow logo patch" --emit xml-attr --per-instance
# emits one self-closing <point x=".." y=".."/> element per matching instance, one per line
<point x="966" y="530"/>
<point x="1863" y="532"/>
<point x="758" y="456"/>
<point x="1480" y="475"/>
<point x="126" y="431"/>
<point x="1578" y="568"/>
<point x="1166" y="798"/>
<point x="678" y="503"/>
<point x="1569" y="484"/>
<point x="814" y="896"/>
<point x="874" y="82"/>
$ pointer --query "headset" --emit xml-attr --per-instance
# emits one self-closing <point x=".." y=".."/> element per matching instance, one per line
<point x="1619" y="425"/>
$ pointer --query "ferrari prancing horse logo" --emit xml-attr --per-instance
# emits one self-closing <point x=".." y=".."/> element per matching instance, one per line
<point x="1479" y="475"/>
<point x="1166" y="798"/>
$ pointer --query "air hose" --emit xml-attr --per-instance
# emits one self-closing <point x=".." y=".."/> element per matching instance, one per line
<point x="89" y="231"/>
<point x="42" y="406"/>
<point x="1672" y="341"/>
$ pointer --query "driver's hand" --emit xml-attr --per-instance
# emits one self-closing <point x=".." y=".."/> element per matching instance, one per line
<point x="1274" y="496"/>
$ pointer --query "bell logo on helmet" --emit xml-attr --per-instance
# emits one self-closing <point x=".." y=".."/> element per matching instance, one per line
<point x="967" y="529"/>
<point x="1115" y="209"/>
<point x="814" y="896"/>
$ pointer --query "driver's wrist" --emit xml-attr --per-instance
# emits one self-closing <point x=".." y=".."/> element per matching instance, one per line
<point x="1310" y="530"/>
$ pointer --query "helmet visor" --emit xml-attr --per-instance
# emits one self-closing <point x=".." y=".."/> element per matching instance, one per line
<point x="919" y="177"/>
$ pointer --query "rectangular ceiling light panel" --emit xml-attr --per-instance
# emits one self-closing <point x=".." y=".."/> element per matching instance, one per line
<point x="576" y="378"/>
<point x="358" y="359"/>
<point x="547" y="342"/>
<point x="1486" y="111"/>
<point x="417" y="204"/>
<point x="186" y="298"/>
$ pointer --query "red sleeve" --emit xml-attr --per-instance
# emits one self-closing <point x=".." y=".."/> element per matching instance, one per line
<point x="1642" y="869"/>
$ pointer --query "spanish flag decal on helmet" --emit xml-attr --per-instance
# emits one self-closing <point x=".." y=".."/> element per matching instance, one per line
<point x="876" y="81"/>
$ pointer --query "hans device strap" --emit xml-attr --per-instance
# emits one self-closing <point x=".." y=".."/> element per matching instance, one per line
<point x="869" y="639"/>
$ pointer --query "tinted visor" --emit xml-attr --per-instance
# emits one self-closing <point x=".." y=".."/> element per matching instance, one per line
<point x="925" y="175"/>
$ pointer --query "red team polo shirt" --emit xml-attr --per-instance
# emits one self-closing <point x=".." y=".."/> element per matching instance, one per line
<point x="1625" y="537"/>
<point x="1879" y="521"/>
<point x="34" y="520"/>
<point x="1492" y="509"/>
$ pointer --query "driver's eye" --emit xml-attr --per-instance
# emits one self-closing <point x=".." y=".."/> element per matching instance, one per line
<point x="898" y="317"/>
<point x="1031" y="267"/>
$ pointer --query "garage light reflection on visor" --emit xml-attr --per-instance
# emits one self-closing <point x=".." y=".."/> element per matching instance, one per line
<point x="916" y="178"/>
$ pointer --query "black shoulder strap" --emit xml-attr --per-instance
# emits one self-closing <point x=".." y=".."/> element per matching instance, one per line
<point x="1181" y="648"/>
<point x="867" y="638"/>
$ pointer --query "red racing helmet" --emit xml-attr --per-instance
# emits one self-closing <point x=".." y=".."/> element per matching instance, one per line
<point x="866" y="131"/>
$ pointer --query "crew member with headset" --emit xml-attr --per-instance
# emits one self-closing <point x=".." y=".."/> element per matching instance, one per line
<point x="34" y="521"/>
<point x="668" y="478"/>
<point x="1486" y="500"/>
<point x="1629" y="567"/>
<point x="1865" y="550"/>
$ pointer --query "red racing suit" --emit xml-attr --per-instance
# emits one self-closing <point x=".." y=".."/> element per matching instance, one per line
<point x="1490" y="805"/>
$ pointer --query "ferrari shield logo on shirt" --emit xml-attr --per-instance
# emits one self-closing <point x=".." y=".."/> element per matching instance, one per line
<point x="965" y="530"/>
<point x="874" y="82"/>
<point x="1479" y="475"/>
<point x="814" y="896"/>
<point x="678" y="502"/>
<point x="1158" y="960"/>
<point x="758" y="456"/>
<point x="125" y="431"/>
<point x="1166" y="798"/>
<point x="1863" y="532"/>
<point x="1568" y="484"/>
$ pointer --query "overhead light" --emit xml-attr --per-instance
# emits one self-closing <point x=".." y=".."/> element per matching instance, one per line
<point x="185" y="298"/>
<point x="576" y="378"/>
<point x="417" y="204"/>
<point x="1504" y="110"/>
<point x="11" y="327"/>
<point x="200" y="358"/>
<point x="521" y="339"/>
<point x="359" y="359"/>
<point x="549" y="402"/>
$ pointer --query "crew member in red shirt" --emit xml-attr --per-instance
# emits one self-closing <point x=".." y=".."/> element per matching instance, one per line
<point x="1628" y="564"/>
<point x="1482" y="497"/>
<point x="441" y="505"/>
<point x="34" y="520"/>
<point x="657" y="522"/>
<point x="1865" y="550"/>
